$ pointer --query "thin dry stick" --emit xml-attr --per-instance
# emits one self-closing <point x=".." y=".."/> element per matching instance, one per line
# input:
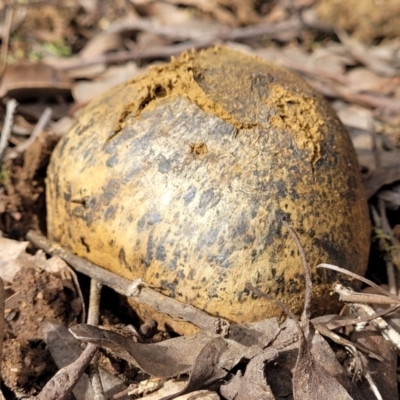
<point x="360" y="278"/>
<point x="94" y="302"/>
<point x="140" y="291"/>
<point x="6" y="39"/>
<point x="166" y="51"/>
<point x="93" y="319"/>
<point x="41" y="124"/>
<point x="349" y="296"/>
<point x="391" y="274"/>
<point x="379" y="323"/>
<point x="372" y="385"/>
<point x="307" y="275"/>
<point x="335" y="324"/>
<point x="323" y="330"/>
<point x="63" y="382"/>
<point x="6" y="131"/>
<point x="2" y="310"/>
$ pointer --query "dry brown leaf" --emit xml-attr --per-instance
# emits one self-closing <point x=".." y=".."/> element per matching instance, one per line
<point x="178" y="356"/>
<point x="214" y="362"/>
<point x="100" y="44"/>
<point x="65" y="349"/>
<point x="173" y="386"/>
<point x="165" y="359"/>
<point x="381" y="177"/>
<point x="169" y="14"/>
<point x="383" y="374"/>
<point x="362" y="79"/>
<point x="310" y="379"/>
<point x="353" y="115"/>
<point x="33" y="80"/>
<point x="84" y="91"/>
<point x="10" y="257"/>
<point x="253" y="384"/>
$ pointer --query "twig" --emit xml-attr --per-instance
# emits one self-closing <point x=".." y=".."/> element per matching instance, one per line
<point x="324" y="331"/>
<point x="340" y="323"/>
<point x="349" y="296"/>
<point x="6" y="38"/>
<point x="372" y="385"/>
<point x="6" y="131"/>
<point x="41" y="124"/>
<point x="270" y="30"/>
<point x="64" y="381"/>
<point x="307" y="275"/>
<point x="93" y="319"/>
<point x="360" y="278"/>
<point x="94" y="302"/>
<point x="362" y="54"/>
<point x="391" y="275"/>
<point x="379" y="323"/>
<point x="364" y="99"/>
<point x="140" y="291"/>
<point x="279" y="303"/>
<point x="2" y="311"/>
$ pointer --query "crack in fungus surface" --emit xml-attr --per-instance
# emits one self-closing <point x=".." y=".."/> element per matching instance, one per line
<point x="177" y="78"/>
<point x="297" y="114"/>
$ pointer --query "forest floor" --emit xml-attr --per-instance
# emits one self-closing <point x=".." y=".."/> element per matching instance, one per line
<point x="55" y="57"/>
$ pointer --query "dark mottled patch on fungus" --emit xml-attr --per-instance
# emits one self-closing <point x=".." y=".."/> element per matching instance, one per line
<point x="110" y="212"/>
<point x="147" y="220"/>
<point x="164" y="165"/>
<point x="67" y="196"/>
<point x="150" y="248"/>
<point x="110" y="190"/>
<point x="190" y="195"/>
<point x="63" y="143"/>
<point x="81" y="129"/>
<point x="113" y="160"/>
<point x="122" y="258"/>
<point x="173" y="264"/>
<point x="161" y="255"/>
<point x="208" y="199"/>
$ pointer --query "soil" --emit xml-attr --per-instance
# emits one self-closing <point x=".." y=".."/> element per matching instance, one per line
<point x="38" y="296"/>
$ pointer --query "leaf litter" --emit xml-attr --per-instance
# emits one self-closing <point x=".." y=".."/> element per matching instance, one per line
<point x="357" y="69"/>
<point x="209" y="358"/>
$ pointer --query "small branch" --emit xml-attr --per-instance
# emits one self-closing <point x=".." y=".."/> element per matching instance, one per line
<point x="379" y="323"/>
<point x="6" y="131"/>
<point x="324" y="331"/>
<point x="41" y="124"/>
<point x="2" y="311"/>
<point x="137" y="289"/>
<point x="372" y="385"/>
<point x="360" y="278"/>
<point x="247" y="32"/>
<point x="6" y="39"/>
<point x="93" y="319"/>
<point x="349" y="296"/>
<point x="64" y="381"/>
<point x="307" y="274"/>
<point x="94" y="302"/>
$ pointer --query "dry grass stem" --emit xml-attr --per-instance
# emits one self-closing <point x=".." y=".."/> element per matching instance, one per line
<point x="7" y="126"/>
<point x="41" y="124"/>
